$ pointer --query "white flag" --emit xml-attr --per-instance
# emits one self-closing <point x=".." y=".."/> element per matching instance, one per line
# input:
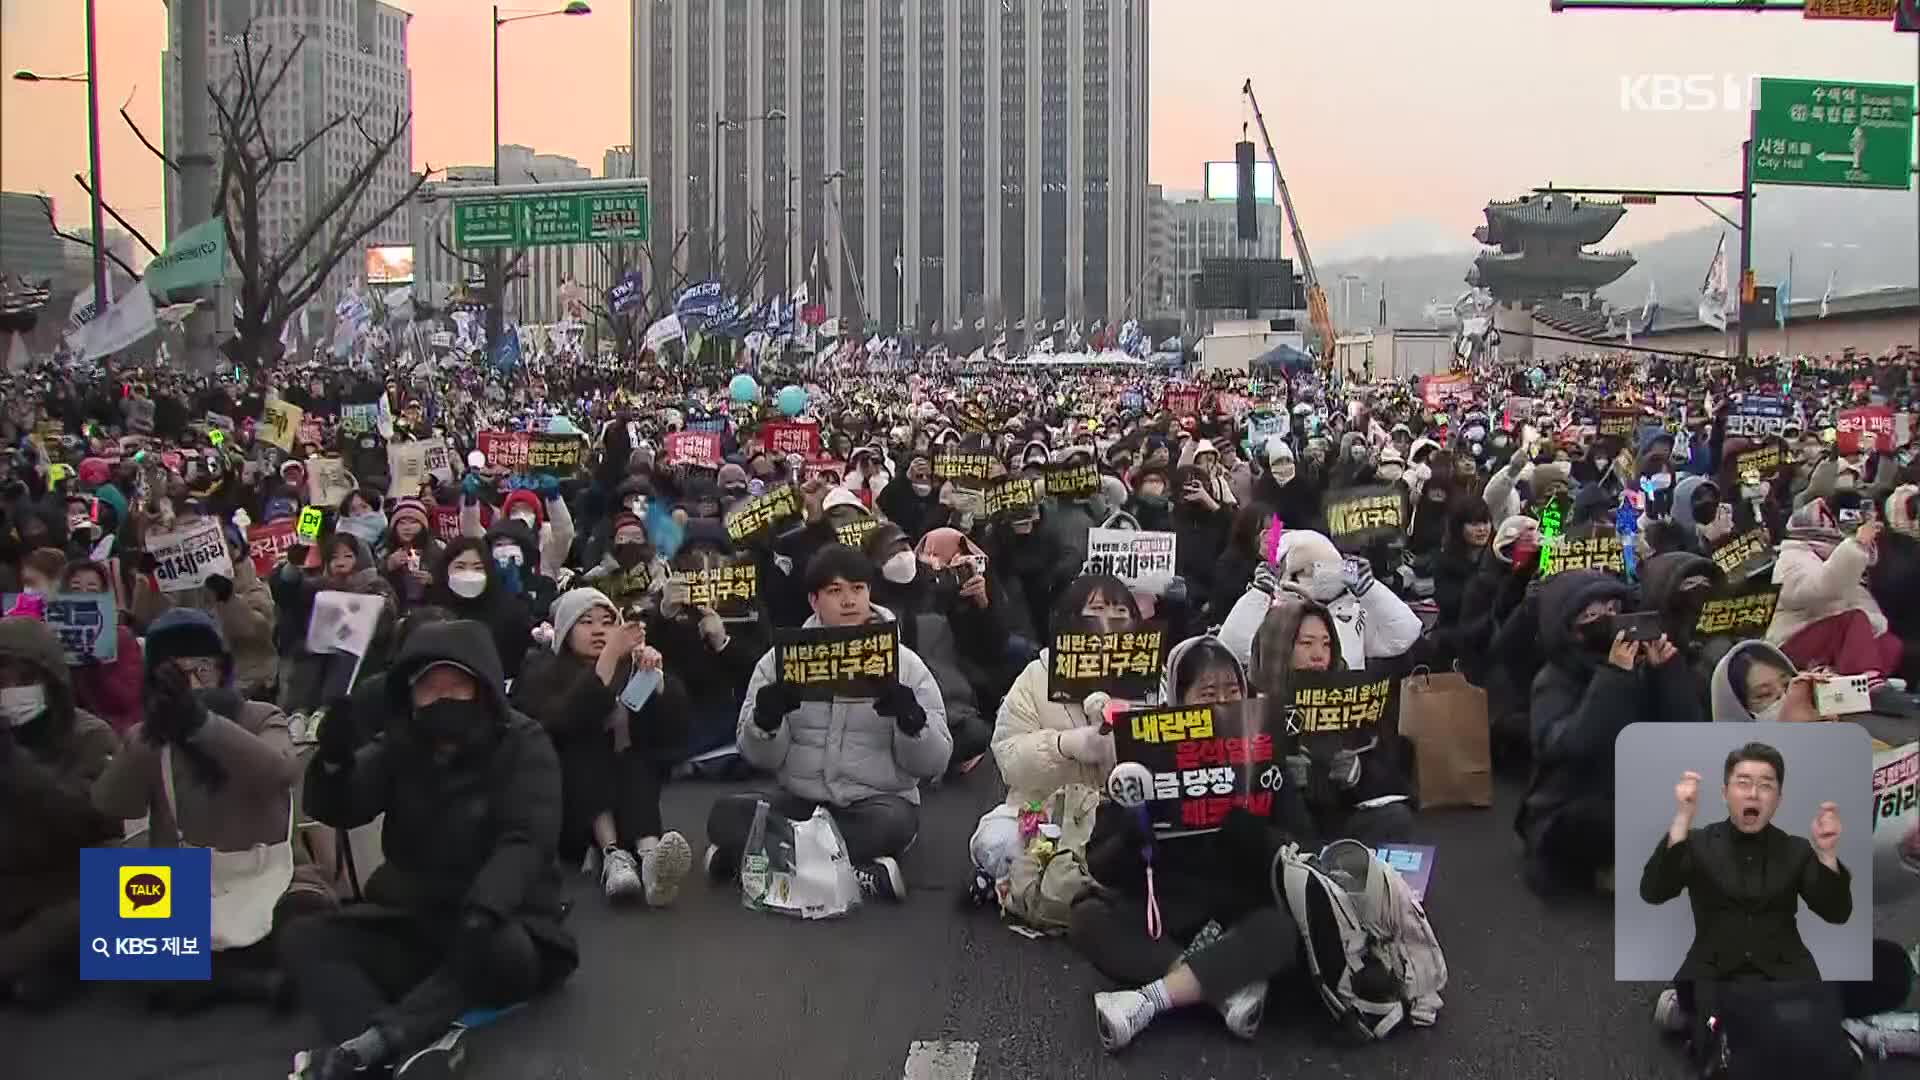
<point x="667" y="329"/>
<point x="343" y="622"/>
<point x="1713" y="289"/>
<point x="129" y="319"/>
<point x="830" y="328"/>
<point x="1827" y="296"/>
<point x="1653" y="300"/>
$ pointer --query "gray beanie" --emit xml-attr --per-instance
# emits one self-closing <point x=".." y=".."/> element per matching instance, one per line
<point x="570" y="607"/>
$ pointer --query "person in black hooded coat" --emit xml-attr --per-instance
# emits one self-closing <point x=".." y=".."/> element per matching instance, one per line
<point x="467" y="909"/>
<point x="535" y="590"/>
<point x="1677" y="585"/>
<point x="1593" y="685"/>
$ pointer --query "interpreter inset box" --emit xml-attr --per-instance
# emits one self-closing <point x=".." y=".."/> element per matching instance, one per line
<point x="1743" y="851"/>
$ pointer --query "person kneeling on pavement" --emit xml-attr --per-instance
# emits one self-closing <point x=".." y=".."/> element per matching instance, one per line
<point x="466" y="910"/>
<point x="50" y="755"/>
<point x="617" y="720"/>
<point x="208" y="768"/>
<point x="862" y="759"/>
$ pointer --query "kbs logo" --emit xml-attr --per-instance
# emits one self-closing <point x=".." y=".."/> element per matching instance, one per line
<point x="146" y="892"/>
<point x="1670" y="92"/>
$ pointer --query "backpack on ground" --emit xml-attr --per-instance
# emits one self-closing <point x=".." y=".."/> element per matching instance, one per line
<point x="1370" y="949"/>
<point x="1756" y="1030"/>
<point x="1040" y="891"/>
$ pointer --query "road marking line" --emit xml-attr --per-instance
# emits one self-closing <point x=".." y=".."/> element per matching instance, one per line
<point x="941" y="1060"/>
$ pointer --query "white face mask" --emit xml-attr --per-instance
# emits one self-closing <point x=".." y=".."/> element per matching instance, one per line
<point x="20" y="705"/>
<point x="1771" y="713"/>
<point x="1283" y="471"/>
<point x="900" y="568"/>
<point x="467" y="584"/>
<point x="524" y="519"/>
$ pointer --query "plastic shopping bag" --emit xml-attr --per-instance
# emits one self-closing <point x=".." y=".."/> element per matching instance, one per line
<point x="797" y="867"/>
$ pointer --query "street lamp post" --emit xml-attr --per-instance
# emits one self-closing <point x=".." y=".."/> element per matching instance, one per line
<point x="101" y="296"/>
<point x="714" y="187"/>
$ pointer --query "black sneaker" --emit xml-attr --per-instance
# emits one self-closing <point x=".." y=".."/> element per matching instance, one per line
<point x="981" y="891"/>
<point x="443" y="1060"/>
<point x="334" y="1063"/>
<point x="881" y="879"/>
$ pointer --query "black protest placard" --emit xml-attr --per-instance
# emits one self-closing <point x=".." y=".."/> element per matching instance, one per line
<point x="1075" y="481"/>
<point x="1011" y="498"/>
<point x="1336" y="703"/>
<point x="854" y="533"/>
<point x="729" y="589"/>
<point x="1619" y="423"/>
<point x="1360" y="516"/>
<point x="1757" y="463"/>
<point x="1206" y="761"/>
<point x="763" y="514"/>
<point x="1740" y="613"/>
<point x="827" y="662"/>
<point x="968" y="468"/>
<point x="1745" y="555"/>
<point x="1123" y="664"/>
<point x="1586" y="547"/>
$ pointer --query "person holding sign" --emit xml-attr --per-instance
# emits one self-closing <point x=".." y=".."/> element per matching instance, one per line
<point x="861" y="758"/>
<point x="312" y="679"/>
<point x="630" y="567"/>
<point x="1826" y="617"/>
<point x="242" y="603"/>
<point x="618" y="720"/>
<point x="51" y="754"/>
<point x="1373" y="623"/>
<point x="711" y="651"/>
<point x="1594" y="683"/>
<point x="111" y="690"/>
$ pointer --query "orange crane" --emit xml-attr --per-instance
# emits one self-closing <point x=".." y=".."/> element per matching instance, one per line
<point x="1317" y="310"/>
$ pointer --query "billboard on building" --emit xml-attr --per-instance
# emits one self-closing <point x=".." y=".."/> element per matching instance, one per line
<point x="391" y="265"/>
<point x="1223" y="181"/>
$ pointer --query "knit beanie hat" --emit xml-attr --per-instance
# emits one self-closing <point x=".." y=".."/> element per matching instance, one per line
<point x="1510" y="532"/>
<point x="410" y="508"/>
<point x="1899" y="517"/>
<point x="568" y="610"/>
<point x="527" y="500"/>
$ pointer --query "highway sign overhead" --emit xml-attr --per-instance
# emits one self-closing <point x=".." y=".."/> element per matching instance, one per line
<point x="1822" y="133"/>
<point x="1858" y="10"/>
<point x="536" y="220"/>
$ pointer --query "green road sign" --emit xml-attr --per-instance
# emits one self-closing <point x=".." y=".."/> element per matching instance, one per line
<point x="549" y="220"/>
<point x="1834" y="134"/>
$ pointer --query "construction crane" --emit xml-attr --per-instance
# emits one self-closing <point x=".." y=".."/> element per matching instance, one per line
<point x="1317" y="310"/>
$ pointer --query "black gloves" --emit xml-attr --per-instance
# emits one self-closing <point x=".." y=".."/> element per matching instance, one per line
<point x="898" y="702"/>
<point x="772" y="704"/>
<point x="297" y="555"/>
<point x="174" y="714"/>
<point x="221" y="588"/>
<point x="338" y="737"/>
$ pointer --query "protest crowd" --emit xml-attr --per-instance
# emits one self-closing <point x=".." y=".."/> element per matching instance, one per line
<point x="408" y="646"/>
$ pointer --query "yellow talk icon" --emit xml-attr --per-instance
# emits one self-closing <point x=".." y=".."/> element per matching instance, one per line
<point x="146" y="892"/>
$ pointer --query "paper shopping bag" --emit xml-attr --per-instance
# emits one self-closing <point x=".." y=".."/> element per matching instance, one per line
<point x="1445" y="718"/>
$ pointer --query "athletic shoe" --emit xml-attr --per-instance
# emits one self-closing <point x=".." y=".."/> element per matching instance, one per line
<point x="1243" y="1009"/>
<point x="332" y="1063"/>
<point x="443" y="1060"/>
<point x="1121" y="1014"/>
<point x="663" y="866"/>
<point x="718" y="870"/>
<point x="618" y="878"/>
<point x="1886" y="1034"/>
<point x="881" y="879"/>
<point x="1667" y="1014"/>
<point x="590" y="862"/>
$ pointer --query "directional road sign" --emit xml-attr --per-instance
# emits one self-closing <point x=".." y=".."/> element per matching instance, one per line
<point x="1823" y="133"/>
<point x="536" y="220"/>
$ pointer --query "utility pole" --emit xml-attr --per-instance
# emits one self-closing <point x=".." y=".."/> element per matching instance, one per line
<point x="196" y="185"/>
<point x="786" y="245"/>
<point x="102" y="297"/>
<point x="1746" y="231"/>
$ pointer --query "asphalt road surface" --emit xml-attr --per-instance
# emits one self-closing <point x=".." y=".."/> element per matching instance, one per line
<point x="928" y="991"/>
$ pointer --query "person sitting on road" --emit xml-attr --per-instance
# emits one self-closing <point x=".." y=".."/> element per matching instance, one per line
<point x="1826" y="617"/>
<point x="51" y="753"/>
<point x="207" y="768"/>
<point x="109" y="689"/>
<point x="861" y="759"/>
<point x="1224" y="937"/>
<point x="311" y="679"/>
<point x="1594" y="684"/>
<point x="614" y="756"/>
<point x="243" y="603"/>
<point x="466" y="910"/>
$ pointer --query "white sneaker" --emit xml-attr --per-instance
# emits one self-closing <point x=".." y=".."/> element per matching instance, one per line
<point x="663" y="866"/>
<point x="618" y="877"/>
<point x="1121" y="1014"/>
<point x="1243" y="1009"/>
<point x="590" y="862"/>
<point x="1667" y="1015"/>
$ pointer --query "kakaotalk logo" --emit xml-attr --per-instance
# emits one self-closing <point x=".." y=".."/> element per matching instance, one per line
<point x="146" y="892"/>
<point x="1674" y="92"/>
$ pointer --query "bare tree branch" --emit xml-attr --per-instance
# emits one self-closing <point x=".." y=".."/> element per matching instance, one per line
<point x="46" y="206"/>
<point x="115" y="215"/>
<point x="146" y="142"/>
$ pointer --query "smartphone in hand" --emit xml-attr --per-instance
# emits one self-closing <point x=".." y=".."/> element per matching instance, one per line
<point x="1639" y="625"/>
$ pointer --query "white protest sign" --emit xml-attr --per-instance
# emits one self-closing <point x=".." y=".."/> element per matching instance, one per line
<point x="343" y="622"/>
<point x="327" y="481"/>
<point x="410" y="463"/>
<point x="1144" y="560"/>
<point x="1896" y="810"/>
<point x="186" y="556"/>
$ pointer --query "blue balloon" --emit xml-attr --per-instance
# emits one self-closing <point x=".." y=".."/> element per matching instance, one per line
<point x="792" y="400"/>
<point x="743" y="389"/>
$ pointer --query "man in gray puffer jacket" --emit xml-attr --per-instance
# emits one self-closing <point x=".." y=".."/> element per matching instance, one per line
<point x="862" y="759"/>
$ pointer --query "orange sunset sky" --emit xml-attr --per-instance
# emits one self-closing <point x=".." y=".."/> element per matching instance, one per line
<point x="1381" y="111"/>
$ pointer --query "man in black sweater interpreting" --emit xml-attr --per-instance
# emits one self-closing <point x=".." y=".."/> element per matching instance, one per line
<point x="1744" y="878"/>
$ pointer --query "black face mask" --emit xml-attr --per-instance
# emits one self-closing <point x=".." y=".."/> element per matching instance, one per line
<point x="463" y="724"/>
<point x="1596" y="636"/>
<point x="736" y="491"/>
<point x="1704" y="510"/>
<point x="629" y="555"/>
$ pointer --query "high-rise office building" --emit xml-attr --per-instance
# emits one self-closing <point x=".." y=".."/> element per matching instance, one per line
<point x="1184" y="231"/>
<point x="931" y="161"/>
<point x="617" y="163"/>
<point x="354" y="57"/>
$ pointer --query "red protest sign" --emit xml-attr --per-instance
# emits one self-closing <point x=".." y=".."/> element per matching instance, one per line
<point x="700" y="448"/>
<point x="1184" y="401"/>
<point x="1436" y="389"/>
<point x="1873" y="421"/>
<point x="268" y="544"/>
<point x="792" y="438"/>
